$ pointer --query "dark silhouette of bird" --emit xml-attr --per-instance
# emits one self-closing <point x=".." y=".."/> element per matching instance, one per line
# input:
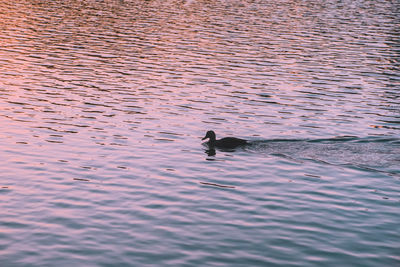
<point x="226" y="142"/>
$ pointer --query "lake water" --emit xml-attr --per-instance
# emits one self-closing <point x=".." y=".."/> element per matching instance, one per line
<point x="103" y="105"/>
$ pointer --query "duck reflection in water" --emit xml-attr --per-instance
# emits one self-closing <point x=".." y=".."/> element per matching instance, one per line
<point x="223" y="143"/>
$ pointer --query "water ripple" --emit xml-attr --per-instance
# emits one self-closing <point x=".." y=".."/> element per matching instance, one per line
<point x="103" y="104"/>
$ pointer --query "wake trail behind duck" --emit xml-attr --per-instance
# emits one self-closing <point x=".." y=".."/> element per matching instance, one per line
<point x="374" y="153"/>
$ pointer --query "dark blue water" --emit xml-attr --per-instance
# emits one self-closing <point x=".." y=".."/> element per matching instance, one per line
<point x="103" y="105"/>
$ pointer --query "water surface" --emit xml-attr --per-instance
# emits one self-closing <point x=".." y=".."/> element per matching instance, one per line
<point x="103" y="105"/>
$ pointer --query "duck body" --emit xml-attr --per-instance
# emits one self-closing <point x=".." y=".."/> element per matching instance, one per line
<point x="227" y="142"/>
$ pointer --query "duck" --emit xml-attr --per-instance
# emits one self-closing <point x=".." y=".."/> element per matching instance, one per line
<point x="227" y="142"/>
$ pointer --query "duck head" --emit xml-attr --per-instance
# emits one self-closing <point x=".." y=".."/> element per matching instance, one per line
<point x="210" y="135"/>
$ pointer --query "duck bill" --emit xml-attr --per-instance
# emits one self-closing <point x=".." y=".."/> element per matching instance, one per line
<point x="204" y="138"/>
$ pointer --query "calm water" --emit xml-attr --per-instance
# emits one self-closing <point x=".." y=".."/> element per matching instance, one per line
<point x="103" y="105"/>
